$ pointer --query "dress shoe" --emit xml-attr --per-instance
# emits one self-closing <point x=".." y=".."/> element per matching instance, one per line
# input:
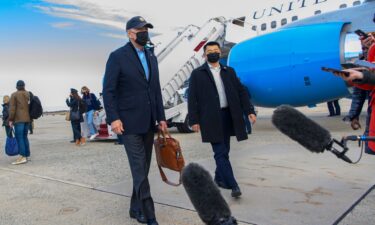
<point x="222" y="184"/>
<point x="152" y="222"/>
<point x="236" y="192"/>
<point x="138" y="215"/>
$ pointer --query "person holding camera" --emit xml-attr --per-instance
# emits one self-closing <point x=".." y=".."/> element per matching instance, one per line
<point x="75" y="103"/>
<point x="363" y="80"/>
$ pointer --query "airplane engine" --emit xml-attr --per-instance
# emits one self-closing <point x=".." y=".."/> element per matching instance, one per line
<point x="284" y="67"/>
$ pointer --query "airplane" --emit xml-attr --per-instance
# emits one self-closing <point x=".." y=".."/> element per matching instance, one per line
<point x="283" y="64"/>
<point x="277" y="52"/>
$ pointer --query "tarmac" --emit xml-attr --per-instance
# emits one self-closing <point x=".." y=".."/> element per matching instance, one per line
<point x="281" y="182"/>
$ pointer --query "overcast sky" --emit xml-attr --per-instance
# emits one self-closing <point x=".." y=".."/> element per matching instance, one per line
<point x="54" y="45"/>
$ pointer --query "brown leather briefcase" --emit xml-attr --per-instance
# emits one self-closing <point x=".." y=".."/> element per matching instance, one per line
<point x="168" y="155"/>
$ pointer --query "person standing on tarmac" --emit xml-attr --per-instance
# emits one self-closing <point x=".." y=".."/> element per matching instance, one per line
<point x="75" y="104"/>
<point x="19" y="118"/>
<point x="217" y="102"/>
<point x="5" y="116"/>
<point x="133" y="105"/>
<point x="334" y="108"/>
<point x="92" y="105"/>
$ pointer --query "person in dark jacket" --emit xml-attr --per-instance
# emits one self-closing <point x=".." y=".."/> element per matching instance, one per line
<point x="216" y="103"/>
<point x="76" y="118"/>
<point x="133" y="104"/>
<point x="359" y="97"/>
<point x="246" y="118"/>
<point x="5" y="114"/>
<point x="92" y="105"/>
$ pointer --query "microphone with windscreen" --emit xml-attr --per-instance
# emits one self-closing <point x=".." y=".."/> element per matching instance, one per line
<point x="306" y="132"/>
<point x="205" y="196"/>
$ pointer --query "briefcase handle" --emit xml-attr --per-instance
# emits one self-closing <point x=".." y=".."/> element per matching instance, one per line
<point x="164" y="134"/>
<point x="165" y="179"/>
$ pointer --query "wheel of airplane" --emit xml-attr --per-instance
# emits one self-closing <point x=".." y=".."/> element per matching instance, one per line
<point x="184" y="127"/>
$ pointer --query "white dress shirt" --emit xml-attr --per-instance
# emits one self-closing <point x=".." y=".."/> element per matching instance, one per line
<point x="219" y="85"/>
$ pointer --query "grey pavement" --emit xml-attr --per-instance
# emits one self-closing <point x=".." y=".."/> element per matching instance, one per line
<point x="282" y="183"/>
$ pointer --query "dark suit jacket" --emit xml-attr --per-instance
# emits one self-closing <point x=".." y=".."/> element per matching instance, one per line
<point x="204" y="104"/>
<point x="128" y="95"/>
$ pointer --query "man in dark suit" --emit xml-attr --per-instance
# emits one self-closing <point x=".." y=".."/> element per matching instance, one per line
<point x="217" y="102"/>
<point x="133" y="104"/>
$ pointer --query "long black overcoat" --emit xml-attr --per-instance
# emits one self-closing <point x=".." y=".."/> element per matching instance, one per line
<point x="204" y="104"/>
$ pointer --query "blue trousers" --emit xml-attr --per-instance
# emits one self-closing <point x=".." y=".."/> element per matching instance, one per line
<point x="90" y="121"/>
<point x="21" y="131"/>
<point x="224" y="171"/>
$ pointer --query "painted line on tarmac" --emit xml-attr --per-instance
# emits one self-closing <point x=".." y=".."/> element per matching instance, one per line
<point x="99" y="190"/>
<point x="165" y="204"/>
<point x="351" y="208"/>
<point x="48" y="178"/>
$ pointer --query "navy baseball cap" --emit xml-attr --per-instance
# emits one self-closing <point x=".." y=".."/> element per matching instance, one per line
<point x="138" y="22"/>
<point x="72" y="90"/>
<point x="20" y="83"/>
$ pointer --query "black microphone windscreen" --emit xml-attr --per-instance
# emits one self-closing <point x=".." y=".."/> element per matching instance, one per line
<point x="298" y="127"/>
<point x="205" y="195"/>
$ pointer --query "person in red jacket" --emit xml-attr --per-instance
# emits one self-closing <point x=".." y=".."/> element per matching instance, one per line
<point x="364" y="79"/>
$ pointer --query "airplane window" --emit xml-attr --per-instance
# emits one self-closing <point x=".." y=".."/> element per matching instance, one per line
<point x="254" y="28"/>
<point x="264" y="26"/>
<point x="356" y="3"/>
<point x="273" y="24"/>
<point x="317" y="12"/>
<point x="283" y="22"/>
<point x="343" y="6"/>
<point x="294" y="18"/>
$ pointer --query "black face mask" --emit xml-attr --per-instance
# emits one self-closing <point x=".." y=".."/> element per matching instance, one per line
<point x="213" y="57"/>
<point x="142" y="38"/>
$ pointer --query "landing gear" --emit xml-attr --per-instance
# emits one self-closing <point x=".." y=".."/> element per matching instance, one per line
<point x="184" y="127"/>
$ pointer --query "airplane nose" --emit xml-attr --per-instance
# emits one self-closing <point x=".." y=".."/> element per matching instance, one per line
<point x="284" y="67"/>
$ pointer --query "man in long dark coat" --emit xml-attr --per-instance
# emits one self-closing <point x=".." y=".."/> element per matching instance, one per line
<point x="217" y="102"/>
